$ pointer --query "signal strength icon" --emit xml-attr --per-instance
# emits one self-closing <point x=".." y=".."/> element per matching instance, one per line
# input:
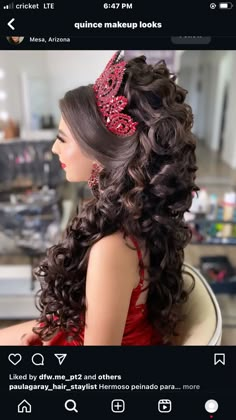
<point x="9" y="6"/>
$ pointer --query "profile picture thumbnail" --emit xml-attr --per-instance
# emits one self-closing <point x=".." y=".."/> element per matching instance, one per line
<point x="15" y="40"/>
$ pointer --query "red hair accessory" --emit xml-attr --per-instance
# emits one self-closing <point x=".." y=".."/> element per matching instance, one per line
<point x="110" y="105"/>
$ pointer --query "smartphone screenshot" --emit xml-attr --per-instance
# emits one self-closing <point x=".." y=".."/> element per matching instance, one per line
<point x="118" y="210"/>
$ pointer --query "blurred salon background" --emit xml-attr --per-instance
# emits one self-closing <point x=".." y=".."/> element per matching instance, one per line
<point x="36" y="201"/>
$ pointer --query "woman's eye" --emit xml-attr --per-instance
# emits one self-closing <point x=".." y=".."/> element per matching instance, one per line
<point x="60" y="139"/>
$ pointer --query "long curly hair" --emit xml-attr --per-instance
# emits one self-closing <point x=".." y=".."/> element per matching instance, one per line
<point x="145" y="187"/>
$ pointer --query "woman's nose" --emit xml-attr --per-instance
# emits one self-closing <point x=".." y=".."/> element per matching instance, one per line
<point x="54" y="148"/>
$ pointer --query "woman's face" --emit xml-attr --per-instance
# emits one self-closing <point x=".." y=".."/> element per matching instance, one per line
<point x="15" y="38"/>
<point x="78" y="167"/>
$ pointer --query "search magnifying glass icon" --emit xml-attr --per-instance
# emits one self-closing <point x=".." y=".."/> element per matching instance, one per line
<point x="70" y="405"/>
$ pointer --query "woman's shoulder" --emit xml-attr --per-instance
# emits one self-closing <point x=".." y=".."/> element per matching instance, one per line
<point x="115" y="243"/>
<point x="117" y="251"/>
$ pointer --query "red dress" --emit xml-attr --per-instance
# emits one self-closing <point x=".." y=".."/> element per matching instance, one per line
<point x="138" y="330"/>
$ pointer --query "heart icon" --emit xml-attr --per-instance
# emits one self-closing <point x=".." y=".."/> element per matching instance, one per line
<point x="14" y="358"/>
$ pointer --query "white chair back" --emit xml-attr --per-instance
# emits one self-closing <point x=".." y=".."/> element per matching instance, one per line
<point x="203" y="322"/>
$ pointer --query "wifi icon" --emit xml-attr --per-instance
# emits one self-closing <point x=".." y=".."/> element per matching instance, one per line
<point x="9" y="6"/>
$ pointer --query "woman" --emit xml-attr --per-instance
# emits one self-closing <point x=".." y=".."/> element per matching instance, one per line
<point x="15" y="39"/>
<point x="116" y="277"/>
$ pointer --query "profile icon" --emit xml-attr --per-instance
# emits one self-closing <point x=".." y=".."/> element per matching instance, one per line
<point x="15" y="40"/>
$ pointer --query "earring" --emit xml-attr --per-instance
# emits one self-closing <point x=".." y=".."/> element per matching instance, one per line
<point x="93" y="179"/>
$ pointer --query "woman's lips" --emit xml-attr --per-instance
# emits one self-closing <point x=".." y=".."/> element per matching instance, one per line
<point x="63" y="165"/>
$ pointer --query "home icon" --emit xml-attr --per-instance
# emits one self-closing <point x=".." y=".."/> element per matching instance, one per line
<point x="24" y="407"/>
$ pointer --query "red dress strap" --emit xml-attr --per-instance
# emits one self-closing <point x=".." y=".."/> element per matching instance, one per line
<point x="140" y="260"/>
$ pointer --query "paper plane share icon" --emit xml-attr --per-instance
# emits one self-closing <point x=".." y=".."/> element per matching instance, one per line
<point x="60" y="357"/>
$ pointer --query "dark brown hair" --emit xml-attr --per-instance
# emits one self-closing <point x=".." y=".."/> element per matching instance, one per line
<point x="145" y="188"/>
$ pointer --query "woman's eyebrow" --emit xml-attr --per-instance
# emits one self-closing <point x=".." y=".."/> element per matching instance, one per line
<point x="62" y="132"/>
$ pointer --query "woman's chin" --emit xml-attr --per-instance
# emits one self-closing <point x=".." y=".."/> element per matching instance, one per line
<point x="68" y="177"/>
<point x="71" y="178"/>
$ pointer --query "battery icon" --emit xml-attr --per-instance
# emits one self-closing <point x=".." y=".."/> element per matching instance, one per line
<point x="227" y="5"/>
